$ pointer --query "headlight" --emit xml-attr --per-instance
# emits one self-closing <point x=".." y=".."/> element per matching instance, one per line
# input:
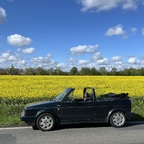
<point x="23" y="113"/>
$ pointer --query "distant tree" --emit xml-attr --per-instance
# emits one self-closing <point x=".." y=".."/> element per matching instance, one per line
<point x="21" y="72"/>
<point x="82" y="71"/>
<point x="102" y="71"/>
<point x="129" y="72"/>
<point x="85" y="71"/>
<point x="3" y="71"/>
<point x="58" y="71"/>
<point x="50" y="71"/>
<point x="133" y="71"/>
<point x="113" y="71"/>
<point x="40" y="71"/>
<point x="74" y="71"/>
<point x="140" y="71"/>
<point x="30" y="71"/>
<point x="93" y="71"/>
<point x="12" y="70"/>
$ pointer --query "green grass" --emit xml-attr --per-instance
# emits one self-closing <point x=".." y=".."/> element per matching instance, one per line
<point x="138" y="108"/>
<point x="10" y="114"/>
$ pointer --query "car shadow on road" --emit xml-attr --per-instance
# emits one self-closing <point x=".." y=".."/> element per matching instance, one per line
<point x="84" y="125"/>
<point x="98" y="125"/>
<point x="134" y="123"/>
<point x="135" y="120"/>
<point x="129" y="124"/>
<point x="136" y="117"/>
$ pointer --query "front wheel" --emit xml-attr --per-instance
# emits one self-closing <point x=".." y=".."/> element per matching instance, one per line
<point x="118" y="119"/>
<point x="45" y="122"/>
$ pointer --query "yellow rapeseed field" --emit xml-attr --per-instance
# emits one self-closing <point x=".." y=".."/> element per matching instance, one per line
<point x="26" y="87"/>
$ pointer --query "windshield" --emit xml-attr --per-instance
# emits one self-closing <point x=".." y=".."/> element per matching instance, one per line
<point x="62" y="95"/>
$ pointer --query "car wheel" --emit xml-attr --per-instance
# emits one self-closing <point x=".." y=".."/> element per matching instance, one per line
<point x="118" y="119"/>
<point x="45" y="122"/>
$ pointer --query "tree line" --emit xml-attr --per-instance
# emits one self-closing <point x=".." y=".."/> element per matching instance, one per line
<point x="74" y="71"/>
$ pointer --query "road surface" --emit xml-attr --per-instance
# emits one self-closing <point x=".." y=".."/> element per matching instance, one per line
<point x="132" y="133"/>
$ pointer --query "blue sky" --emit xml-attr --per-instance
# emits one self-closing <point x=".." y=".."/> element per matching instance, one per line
<point x="67" y="33"/>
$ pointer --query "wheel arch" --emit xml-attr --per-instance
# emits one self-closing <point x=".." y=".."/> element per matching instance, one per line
<point x="49" y="112"/>
<point x="113" y="111"/>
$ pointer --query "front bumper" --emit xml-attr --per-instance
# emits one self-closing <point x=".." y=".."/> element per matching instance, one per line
<point x="30" y="120"/>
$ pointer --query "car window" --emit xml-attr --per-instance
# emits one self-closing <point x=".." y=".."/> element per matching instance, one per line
<point x="70" y="97"/>
<point x="62" y="95"/>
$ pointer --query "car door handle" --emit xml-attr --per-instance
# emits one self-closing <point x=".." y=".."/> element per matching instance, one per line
<point x="58" y="107"/>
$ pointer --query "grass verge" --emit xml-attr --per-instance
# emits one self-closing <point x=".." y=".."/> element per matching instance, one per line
<point x="138" y="108"/>
<point x="10" y="114"/>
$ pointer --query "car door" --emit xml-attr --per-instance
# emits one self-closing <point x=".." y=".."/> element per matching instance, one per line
<point x="102" y="109"/>
<point x="77" y="111"/>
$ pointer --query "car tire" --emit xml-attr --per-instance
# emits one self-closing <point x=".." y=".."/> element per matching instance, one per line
<point x="118" y="119"/>
<point x="34" y="127"/>
<point x="45" y="122"/>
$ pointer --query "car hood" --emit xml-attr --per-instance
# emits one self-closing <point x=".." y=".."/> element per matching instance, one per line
<point x="42" y="105"/>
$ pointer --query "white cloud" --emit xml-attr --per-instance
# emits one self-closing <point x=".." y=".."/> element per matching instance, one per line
<point x="142" y="57"/>
<point x="49" y="55"/>
<point x="117" y="58"/>
<point x="28" y="50"/>
<point x="117" y="30"/>
<point x="97" y="56"/>
<point x="81" y="62"/>
<point x="132" y="60"/>
<point x="64" y="67"/>
<point x="71" y="60"/>
<point x="18" y="40"/>
<point x="11" y="58"/>
<point x="83" y="49"/>
<point x="133" y="30"/>
<point x="103" y="61"/>
<point x="7" y="59"/>
<point x="2" y="15"/>
<point x="21" y="64"/>
<point x="96" y="60"/>
<point x="118" y="63"/>
<point x="105" y="5"/>
<point x="5" y="55"/>
<point x="130" y="4"/>
<point x="142" y="31"/>
<point x="46" y="62"/>
<point x="60" y="65"/>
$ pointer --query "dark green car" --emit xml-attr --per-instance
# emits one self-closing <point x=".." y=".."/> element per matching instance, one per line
<point x="66" y="109"/>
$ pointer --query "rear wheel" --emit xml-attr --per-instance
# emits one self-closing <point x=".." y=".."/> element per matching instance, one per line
<point x="118" y="119"/>
<point x="45" y="122"/>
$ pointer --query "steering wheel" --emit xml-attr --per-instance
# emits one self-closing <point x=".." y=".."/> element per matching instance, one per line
<point x="71" y="99"/>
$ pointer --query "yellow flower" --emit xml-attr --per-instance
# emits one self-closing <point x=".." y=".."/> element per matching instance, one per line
<point x="31" y="88"/>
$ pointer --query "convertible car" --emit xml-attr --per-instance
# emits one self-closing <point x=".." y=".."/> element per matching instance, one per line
<point x="67" y="109"/>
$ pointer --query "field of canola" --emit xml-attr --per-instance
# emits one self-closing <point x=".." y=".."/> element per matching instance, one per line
<point x="18" y="89"/>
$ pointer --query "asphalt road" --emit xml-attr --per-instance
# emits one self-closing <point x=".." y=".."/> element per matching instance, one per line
<point x="133" y="133"/>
